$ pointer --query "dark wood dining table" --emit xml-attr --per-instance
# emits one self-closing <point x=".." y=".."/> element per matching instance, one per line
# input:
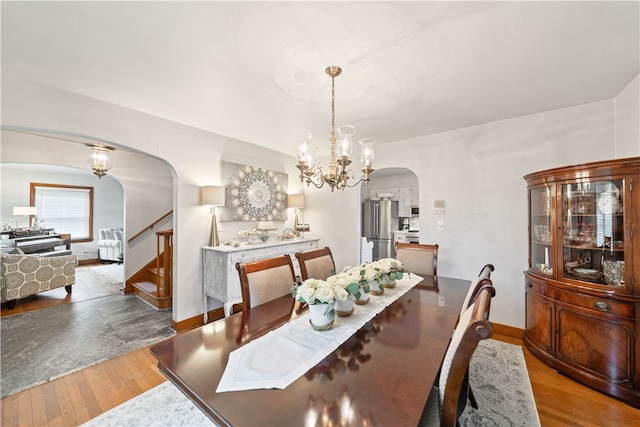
<point x="381" y="376"/>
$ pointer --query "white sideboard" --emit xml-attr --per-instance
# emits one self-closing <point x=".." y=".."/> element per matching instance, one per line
<point x="220" y="278"/>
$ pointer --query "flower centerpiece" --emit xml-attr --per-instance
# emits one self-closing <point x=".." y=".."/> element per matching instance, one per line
<point x="350" y="282"/>
<point x="372" y="274"/>
<point x="357" y="283"/>
<point x="391" y="270"/>
<point x="321" y="297"/>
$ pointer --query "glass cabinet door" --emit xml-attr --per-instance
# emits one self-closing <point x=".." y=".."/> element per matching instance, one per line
<point x="541" y="229"/>
<point x="593" y="232"/>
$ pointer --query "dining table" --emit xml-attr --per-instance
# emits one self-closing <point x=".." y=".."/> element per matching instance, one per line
<point x="381" y="375"/>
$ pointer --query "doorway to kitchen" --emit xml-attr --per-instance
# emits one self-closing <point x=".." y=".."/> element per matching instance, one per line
<point x="390" y="210"/>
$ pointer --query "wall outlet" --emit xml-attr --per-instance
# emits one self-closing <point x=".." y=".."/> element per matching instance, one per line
<point x="440" y="225"/>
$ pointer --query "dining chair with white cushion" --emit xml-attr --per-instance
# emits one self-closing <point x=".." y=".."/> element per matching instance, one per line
<point x="317" y="264"/>
<point x="448" y="400"/>
<point x="265" y="280"/>
<point x="483" y="279"/>
<point x="418" y="258"/>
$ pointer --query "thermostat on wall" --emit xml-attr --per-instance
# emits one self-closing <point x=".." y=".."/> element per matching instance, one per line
<point x="438" y="207"/>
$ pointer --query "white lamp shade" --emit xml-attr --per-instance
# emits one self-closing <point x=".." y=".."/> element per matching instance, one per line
<point x="213" y="195"/>
<point x="25" y="210"/>
<point x="296" y="200"/>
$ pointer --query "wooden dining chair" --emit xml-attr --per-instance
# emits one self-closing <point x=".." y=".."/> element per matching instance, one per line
<point x="483" y="279"/>
<point x="317" y="264"/>
<point x="418" y="258"/>
<point x="448" y="400"/>
<point x="265" y="280"/>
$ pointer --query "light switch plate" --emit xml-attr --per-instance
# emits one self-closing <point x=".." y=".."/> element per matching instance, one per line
<point x="440" y="225"/>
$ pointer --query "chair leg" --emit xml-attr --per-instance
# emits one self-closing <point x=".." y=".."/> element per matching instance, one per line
<point x="472" y="398"/>
<point x="67" y="288"/>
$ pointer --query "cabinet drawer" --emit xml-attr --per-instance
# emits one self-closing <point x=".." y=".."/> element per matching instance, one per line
<point x="596" y="304"/>
<point x="537" y="287"/>
<point x="601" y="305"/>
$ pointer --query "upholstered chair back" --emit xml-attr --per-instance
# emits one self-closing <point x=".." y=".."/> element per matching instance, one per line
<point x="265" y="280"/>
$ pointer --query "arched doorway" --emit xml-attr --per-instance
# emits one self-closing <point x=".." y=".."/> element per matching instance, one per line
<point x="387" y="204"/>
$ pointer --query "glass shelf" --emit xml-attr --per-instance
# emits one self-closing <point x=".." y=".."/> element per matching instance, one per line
<point x="593" y="231"/>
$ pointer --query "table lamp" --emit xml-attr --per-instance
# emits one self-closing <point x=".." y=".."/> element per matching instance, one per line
<point x="213" y="195"/>
<point x="22" y="211"/>
<point x="296" y="201"/>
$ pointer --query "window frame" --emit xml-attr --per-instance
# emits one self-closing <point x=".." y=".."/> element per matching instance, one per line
<point x="32" y="201"/>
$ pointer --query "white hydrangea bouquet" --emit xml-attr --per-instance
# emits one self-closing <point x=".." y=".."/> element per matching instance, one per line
<point x="351" y="281"/>
<point x="391" y="270"/>
<point x="359" y="278"/>
<point x="318" y="294"/>
<point x="315" y="291"/>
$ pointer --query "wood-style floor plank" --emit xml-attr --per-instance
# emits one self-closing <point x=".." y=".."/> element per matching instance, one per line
<point x="38" y="410"/>
<point x="10" y="411"/>
<point x="51" y="403"/>
<point x="25" y="414"/>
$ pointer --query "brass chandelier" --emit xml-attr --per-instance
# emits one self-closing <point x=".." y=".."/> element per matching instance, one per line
<point x="339" y="174"/>
<point x="99" y="161"/>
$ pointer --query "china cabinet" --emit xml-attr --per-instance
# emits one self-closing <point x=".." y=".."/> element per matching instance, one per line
<point x="582" y="285"/>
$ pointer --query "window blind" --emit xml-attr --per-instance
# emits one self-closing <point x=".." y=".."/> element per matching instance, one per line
<point x="66" y="210"/>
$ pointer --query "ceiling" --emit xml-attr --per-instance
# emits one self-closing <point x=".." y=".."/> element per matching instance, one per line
<point x="254" y="71"/>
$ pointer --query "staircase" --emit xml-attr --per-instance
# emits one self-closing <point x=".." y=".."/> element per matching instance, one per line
<point x="154" y="282"/>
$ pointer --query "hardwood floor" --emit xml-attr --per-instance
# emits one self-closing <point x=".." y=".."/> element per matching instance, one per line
<point x="562" y="401"/>
<point x="80" y="396"/>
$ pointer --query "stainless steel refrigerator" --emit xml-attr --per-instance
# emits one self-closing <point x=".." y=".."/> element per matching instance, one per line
<point x="378" y="222"/>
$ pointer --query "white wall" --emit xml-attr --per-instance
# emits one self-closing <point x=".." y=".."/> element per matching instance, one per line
<point x="478" y="172"/>
<point x="627" y="113"/>
<point x="192" y="155"/>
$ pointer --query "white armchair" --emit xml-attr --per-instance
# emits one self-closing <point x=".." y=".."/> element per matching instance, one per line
<point x="110" y="244"/>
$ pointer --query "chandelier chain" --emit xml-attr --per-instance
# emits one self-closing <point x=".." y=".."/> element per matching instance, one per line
<point x="332" y="136"/>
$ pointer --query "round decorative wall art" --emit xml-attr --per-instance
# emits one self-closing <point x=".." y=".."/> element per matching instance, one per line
<point x="253" y="194"/>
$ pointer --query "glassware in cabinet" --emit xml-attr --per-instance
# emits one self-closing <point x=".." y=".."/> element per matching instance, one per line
<point x="541" y="228"/>
<point x="593" y="231"/>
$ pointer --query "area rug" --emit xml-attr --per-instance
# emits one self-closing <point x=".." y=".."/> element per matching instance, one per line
<point x="112" y="274"/>
<point x="500" y="382"/>
<point x="42" y="345"/>
<point x="163" y="405"/>
<point x="501" y="386"/>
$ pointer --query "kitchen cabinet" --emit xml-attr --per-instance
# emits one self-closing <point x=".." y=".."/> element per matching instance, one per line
<point x="582" y="295"/>
<point x="399" y="236"/>
<point x="414" y="200"/>
<point x="407" y="197"/>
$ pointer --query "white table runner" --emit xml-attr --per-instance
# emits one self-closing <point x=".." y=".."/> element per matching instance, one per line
<point x="280" y="357"/>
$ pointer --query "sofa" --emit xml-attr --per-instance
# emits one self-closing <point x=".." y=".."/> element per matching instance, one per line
<point x="25" y="275"/>
<point x="110" y="244"/>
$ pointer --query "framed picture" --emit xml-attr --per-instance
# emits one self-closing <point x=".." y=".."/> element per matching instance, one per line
<point x="253" y="194"/>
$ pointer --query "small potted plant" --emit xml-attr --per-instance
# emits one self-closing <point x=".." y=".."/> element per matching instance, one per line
<point x="321" y="297"/>
<point x="392" y="270"/>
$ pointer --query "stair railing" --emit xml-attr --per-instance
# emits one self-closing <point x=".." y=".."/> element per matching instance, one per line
<point x="164" y="263"/>
<point x="149" y="227"/>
